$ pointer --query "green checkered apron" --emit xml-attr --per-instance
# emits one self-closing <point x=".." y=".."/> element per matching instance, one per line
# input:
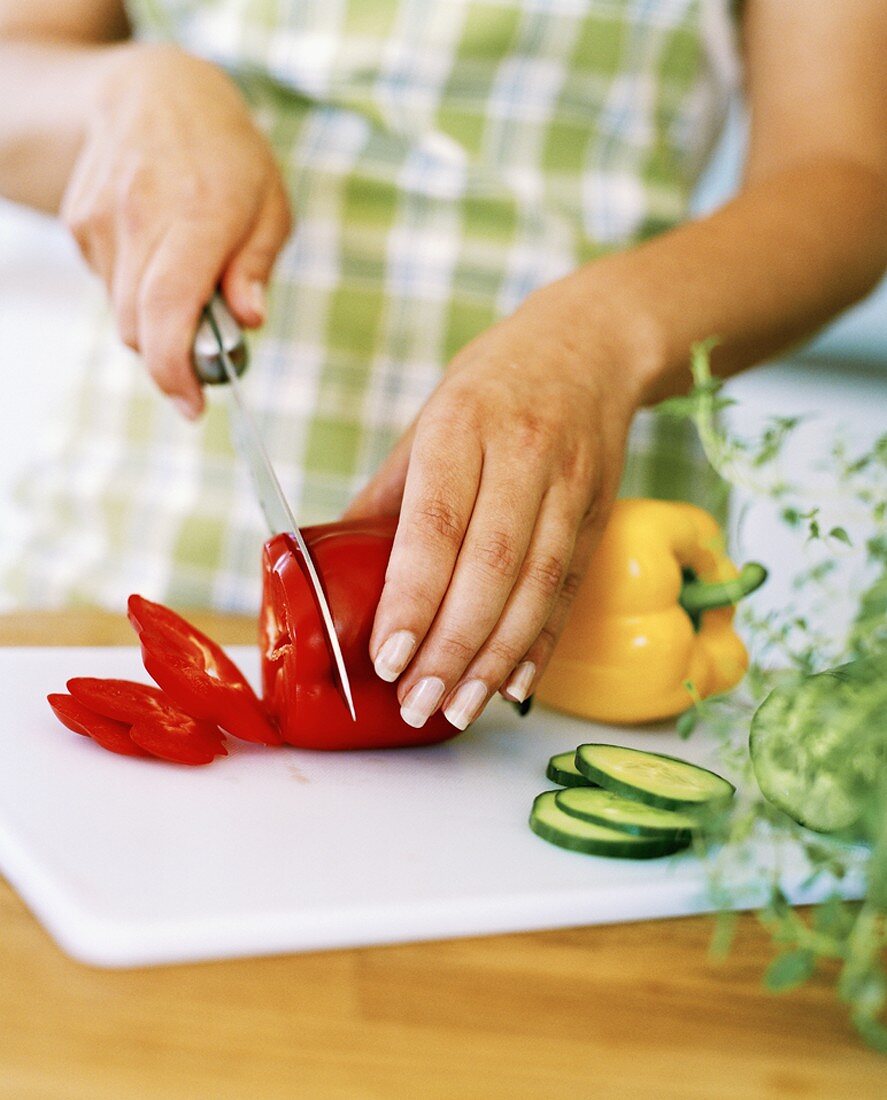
<point x="444" y="158"/>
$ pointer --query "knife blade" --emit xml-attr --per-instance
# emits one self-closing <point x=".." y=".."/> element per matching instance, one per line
<point x="220" y="356"/>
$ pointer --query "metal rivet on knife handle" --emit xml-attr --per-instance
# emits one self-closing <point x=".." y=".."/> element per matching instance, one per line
<point x="217" y="325"/>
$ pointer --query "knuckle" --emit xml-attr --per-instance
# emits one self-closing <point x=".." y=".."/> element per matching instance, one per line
<point x="420" y="598"/>
<point x="133" y="211"/>
<point x="440" y="516"/>
<point x="196" y="196"/>
<point x="546" y="573"/>
<point x="456" y="647"/>
<point x="505" y="652"/>
<point x="459" y="414"/>
<point x="532" y="434"/>
<point x="577" y="466"/>
<point x="547" y="639"/>
<point x="161" y="296"/>
<point x="135" y="193"/>
<point x="571" y="585"/>
<point x="597" y="511"/>
<point x="85" y="221"/>
<point x="497" y="554"/>
<point x="261" y="255"/>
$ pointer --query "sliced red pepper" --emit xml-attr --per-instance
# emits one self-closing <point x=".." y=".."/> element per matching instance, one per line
<point x="110" y="734"/>
<point x="200" y="687"/>
<point x="156" y="724"/>
<point x="300" y="688"/>
<point x="176" y="737"/>
<point x="123" y="700"/>
<point x="196" y="673"/>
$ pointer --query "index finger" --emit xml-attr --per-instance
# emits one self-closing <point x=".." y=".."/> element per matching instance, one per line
<point x="439" y="494"/>
<point x="178" y="281"/>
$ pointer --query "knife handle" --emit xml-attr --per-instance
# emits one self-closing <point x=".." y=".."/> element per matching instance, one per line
<point x="206" y="355"/>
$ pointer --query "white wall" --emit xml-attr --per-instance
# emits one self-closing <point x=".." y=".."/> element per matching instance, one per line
<point x="46" y="302"/>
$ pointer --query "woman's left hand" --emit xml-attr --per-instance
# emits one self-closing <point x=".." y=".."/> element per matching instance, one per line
<point x="503" y="484"/>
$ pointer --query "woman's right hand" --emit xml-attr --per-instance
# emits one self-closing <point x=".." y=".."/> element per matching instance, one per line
<point x="174" y="192"/>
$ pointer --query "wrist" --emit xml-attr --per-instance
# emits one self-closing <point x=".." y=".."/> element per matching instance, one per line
<point x="113" y="66"/>
<point x="617" y="333"/>
<point x="130" y="71"/>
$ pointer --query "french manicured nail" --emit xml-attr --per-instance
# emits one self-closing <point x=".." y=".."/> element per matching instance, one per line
<point x="520" y="682"/>
<point x="467" y="704"/>
<point x="187" y="408"/>
<point x="422" y="701"/>
<point x="255" y="296"/>
<point x="394" y="655"/>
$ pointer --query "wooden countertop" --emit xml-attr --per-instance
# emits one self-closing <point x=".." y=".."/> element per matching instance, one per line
<point x="634" y="1011"/>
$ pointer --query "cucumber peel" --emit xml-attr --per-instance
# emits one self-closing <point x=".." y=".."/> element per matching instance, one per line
<point x="615" y="812"/>
<point x="652" y="777"/>
<point x="550" y="823"/>
<point x="563" y="771"/>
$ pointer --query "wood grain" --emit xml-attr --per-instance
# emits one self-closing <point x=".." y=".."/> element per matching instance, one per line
<point x="632" y="1011"/>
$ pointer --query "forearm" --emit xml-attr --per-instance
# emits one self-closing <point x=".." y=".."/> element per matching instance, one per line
<point x="766" y="270"/>
<point x="48" y="92"/>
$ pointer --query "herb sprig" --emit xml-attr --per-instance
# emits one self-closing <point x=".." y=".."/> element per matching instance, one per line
<point x="796" y="642"/>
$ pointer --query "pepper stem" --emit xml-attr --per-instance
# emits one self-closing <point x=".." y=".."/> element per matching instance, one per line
<point x="698" y="596"/>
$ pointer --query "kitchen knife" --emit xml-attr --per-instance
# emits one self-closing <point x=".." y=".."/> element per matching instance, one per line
<point x="220" y="357"/>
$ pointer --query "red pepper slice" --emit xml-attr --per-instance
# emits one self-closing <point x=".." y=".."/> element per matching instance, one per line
<point x="111" y="735"/>
<point x="173" y="736"/>
<point x="158" y="726"/>
<point x="123" y="700"/>
<point x="299" y="684"/>
<point x="196" y="673"/>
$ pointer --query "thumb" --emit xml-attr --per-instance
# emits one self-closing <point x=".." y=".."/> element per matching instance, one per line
<point x="245" y="278"/>
<point x="384" y="492"/>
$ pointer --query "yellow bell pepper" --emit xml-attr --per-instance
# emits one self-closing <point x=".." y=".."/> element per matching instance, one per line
<point x="653" y="614"/>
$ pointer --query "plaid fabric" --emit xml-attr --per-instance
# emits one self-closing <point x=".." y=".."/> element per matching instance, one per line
<point x="444" y="159"/>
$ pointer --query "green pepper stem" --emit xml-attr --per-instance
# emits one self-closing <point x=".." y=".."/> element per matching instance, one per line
<point x="698" y="596"/>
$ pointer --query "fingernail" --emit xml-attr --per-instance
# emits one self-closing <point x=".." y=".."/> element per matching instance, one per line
<point x="255" y="295"/>
<point x="467" y="703"/>
<point x="422" y="701"/>
<point x="187" y="408"/>
<point x="394" y="655"/>
<point x="520" y="682"/>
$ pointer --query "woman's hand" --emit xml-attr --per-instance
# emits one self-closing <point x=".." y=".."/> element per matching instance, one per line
<point x="174" y="192"/>
<point x="503" y="485"/>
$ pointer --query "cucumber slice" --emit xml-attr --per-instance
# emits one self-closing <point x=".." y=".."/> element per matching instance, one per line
<point x="612" y="810"/>
<point x="562" y="769"/>
<point x="652" y="777"/>
<point x="552" y="824"/>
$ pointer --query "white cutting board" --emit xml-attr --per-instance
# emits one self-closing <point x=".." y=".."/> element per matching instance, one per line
<point x="129" y="862"/>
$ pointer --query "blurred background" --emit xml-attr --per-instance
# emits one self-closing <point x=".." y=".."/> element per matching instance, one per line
<point x="839" y="381"/>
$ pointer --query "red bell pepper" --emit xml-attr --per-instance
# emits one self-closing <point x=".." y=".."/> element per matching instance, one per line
<point x="200" y="687"/>
<point x="197" y="674"/>
<point x="299" y="682"/>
